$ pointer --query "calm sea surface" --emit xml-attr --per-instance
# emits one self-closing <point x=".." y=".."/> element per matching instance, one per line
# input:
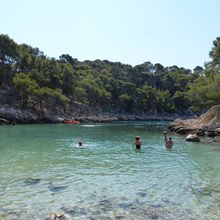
<point x="43" y="171"/>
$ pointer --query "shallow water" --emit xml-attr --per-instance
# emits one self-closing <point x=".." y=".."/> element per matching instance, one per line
<point x="43" y="171"/>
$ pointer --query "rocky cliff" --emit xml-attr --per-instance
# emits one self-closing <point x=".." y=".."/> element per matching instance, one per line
<point x="12" y="111"/>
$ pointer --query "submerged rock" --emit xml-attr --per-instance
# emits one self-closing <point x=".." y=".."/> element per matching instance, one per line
<point x="32" y="180"/>
<point x="56" y="188"/>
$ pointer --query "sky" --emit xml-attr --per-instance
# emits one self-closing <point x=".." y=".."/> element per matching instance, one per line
<point x="169" y="32"/>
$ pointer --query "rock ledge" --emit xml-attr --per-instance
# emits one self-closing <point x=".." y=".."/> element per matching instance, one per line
<point x="207" y="124"/>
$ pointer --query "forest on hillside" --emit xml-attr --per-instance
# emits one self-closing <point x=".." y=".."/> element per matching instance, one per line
<point x="31" y="80"/>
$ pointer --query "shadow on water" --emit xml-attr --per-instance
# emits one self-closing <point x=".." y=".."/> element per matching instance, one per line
<point x="56" y="188"/>
<point x="32" y="181"/>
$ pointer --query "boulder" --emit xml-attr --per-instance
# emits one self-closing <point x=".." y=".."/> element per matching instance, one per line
<point x="192" y="138"/>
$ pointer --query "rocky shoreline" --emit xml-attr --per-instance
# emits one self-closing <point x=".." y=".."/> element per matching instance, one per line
<point x="208" y="124"/>
<point x="10" y="115"/>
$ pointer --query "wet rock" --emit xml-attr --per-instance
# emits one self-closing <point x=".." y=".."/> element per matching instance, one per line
<point x="192" y="138"/>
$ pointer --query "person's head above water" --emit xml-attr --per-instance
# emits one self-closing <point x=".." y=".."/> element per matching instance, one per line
<point x="170" y="138"/>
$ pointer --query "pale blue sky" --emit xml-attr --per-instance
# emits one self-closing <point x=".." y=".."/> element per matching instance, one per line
<point x="170" y="32"/>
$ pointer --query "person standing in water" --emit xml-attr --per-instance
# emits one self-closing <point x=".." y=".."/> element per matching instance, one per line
<point x="138" y="142"/>
<point x="168" y="141"/>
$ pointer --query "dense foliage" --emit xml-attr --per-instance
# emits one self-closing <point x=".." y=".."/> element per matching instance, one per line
<point x="38" y="82"/>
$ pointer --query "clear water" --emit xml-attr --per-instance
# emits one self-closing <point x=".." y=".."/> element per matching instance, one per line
<point x="108" y="179"/>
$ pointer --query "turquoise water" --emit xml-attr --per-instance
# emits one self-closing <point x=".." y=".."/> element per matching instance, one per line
<point x="108" y="179"/>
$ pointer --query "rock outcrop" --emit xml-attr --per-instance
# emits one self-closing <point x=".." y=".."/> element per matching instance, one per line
<point x="18" y="115"/>
<point x="13" y="114"/>
<point x="207" y="124"/>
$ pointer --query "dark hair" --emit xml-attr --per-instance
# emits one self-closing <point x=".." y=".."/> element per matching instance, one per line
<point x="170" y="138"/>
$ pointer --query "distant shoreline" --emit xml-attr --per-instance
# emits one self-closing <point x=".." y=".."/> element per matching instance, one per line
<point x="25" y="117"/>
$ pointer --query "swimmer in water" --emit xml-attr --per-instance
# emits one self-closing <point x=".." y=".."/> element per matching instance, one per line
<point x="80" y="143"/>
<point x="138" y="142"/>
<point x="168" y="141"/>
